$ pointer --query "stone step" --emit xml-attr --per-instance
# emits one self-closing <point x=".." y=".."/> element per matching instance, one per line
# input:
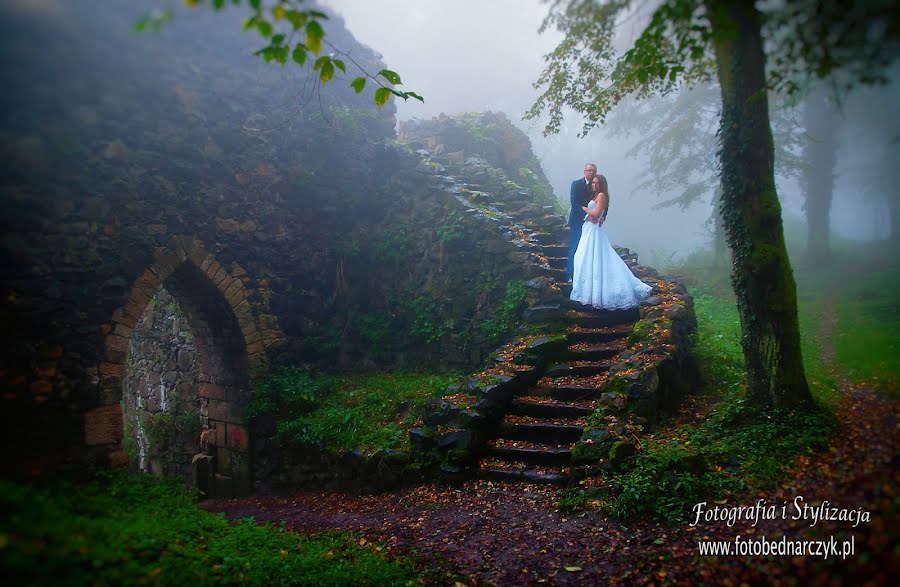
<point x="600" y="318"/>
<point x="546" y="238"/>
<point x="541" y="433"/>
<point x="600" y="335"/>
<point x="533" y="456"/>
<point x="559" y="274"/>
<point x="577" y="370"/>
<point x="556" y="250"/>
<point x="527" y="406"/>
<point x="595" y="353"/>
<point x="558" y="262"/>
<point x="567" y="393"/>
<point x="515" y="475"/>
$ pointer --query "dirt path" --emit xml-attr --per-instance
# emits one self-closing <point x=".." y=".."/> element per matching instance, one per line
<point x="510" y="534"/>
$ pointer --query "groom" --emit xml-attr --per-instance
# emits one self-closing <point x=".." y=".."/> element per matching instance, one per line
<point x="579" y="196"/>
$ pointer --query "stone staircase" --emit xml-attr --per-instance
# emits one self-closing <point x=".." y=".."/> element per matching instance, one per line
<point x="548" y="419"/>
<point x="543" y="422"/>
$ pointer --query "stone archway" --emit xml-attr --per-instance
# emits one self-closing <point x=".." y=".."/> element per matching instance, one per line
<point x="227" y="344"/>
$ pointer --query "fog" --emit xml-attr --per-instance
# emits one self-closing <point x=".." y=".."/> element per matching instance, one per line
<point x="477" y="55"/>
<point x="473" y="55"/>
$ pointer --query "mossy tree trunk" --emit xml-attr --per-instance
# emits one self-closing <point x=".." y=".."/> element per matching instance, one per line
<point x="719" y="244"/>
<point x="761" y="275"/>
<point x="820" y="154"/>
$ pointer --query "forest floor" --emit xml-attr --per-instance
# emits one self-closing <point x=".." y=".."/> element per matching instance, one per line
<point x="494" y="533"/>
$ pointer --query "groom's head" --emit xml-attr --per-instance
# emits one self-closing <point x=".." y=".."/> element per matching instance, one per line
<point x="590" y="170"/>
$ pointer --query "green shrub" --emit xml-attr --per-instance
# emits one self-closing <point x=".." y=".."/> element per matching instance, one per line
<point x="506" y="315"/>
<point x="289" y="393"/>
<point x="369" y="411"/>
<point x="115" y="528"/>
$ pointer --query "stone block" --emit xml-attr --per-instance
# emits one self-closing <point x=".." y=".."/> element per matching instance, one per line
<point x="205" y="263"/>
<point x="116" y="343"/>
<point x="223" y="411"/>
<point x="103" y="425"/>
<point x="213" y="270"/>
<point x="212" y="391"/>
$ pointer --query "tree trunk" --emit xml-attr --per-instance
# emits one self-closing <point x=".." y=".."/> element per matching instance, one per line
<point x="893" y="197"/>
<point x="761" y="271"/>
<point x="820" y="154"/>
<point x="719" y="244"/>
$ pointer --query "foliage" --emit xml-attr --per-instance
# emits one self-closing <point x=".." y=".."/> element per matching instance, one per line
<point x="675" y="49"/>
<point x="426" y="320"/>
<point x="375" y="327"/>
<point x="326" y="340"/>
<point x="279" y="24"/>
<point x="368" y="411"/>
<point x="571" y="500"/>
<point x="451" y="228"/>
<point x="394" y="243"/>
<point x="123" y="529"/>
<point x="678" y="133"/>
<point x="506" y="314"/>
<point x="289" y="393"/>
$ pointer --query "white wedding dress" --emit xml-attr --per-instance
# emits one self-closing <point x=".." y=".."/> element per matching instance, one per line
<point x="602" y="279"/>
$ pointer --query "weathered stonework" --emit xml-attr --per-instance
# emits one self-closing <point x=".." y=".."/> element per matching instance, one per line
<point x="320" y="242"/>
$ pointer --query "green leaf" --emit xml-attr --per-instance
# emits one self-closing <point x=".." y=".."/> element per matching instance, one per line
<point x="314" y="34"/>
<point x="320" y="62"/>
<point x="327" y="71"/>
<point x="340" y="65"/>
<point x="281" y="54"/>
<point x="416" y="96"/>
<point x="256" y="4"/>
<point x="358" y="84"/>
<point x="381" y="96"/>
<point x="297" y="19"/>
<point x="390" y="76"/>
<point x="265" y="28"/>
<point x="277" y="39"/>
<point x="299" y="54"/>
<point x="317" y="14"/>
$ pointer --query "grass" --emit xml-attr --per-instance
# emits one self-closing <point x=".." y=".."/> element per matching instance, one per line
<point x="867" y="342"/>
<point x="116" y="528"/>
<point x="368" y="411"/>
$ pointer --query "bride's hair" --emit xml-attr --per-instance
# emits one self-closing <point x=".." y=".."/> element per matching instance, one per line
<point x="604" y="185"/>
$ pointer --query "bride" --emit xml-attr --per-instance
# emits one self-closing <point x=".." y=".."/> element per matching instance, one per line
<point x="602" y="279"/>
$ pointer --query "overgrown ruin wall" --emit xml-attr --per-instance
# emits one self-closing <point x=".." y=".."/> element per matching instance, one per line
<point x="286" y="231"/>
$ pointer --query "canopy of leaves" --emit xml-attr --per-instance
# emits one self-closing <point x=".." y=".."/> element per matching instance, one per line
<point x="805" y="39"/>
<point x="678" y="133"/>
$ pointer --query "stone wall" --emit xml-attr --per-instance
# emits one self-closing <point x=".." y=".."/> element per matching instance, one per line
<point x="161" y="393"/>
<point x="297" y="235"/>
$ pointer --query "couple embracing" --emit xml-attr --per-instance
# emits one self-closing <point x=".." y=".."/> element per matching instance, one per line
<point x="600" y="278"/>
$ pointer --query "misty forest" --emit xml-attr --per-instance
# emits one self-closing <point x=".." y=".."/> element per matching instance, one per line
<point x="499" y="292"/>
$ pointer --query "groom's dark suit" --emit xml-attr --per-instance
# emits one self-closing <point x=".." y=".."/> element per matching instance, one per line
<point x="579" y="195"/>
